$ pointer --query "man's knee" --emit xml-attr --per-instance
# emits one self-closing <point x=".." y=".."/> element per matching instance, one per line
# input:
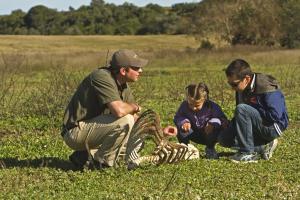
<point x="128" y="120"/>
<point x="242" y="109"/>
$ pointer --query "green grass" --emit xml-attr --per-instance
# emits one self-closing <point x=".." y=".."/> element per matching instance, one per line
<point x="37" y="167"/>
<point x="59" y="44"/>
<point x="49" y="70"/>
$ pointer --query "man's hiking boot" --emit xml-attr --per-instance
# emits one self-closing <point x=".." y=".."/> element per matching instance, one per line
<point x="132" y="166"/>
<point x="79" y="159"/>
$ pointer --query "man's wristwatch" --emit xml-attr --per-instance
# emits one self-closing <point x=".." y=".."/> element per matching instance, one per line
<point x="138" y="109"/>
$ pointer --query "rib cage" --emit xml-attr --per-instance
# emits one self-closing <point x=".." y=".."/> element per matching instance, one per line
<point x="148" y="125"/>
<point x="170" y="155"/>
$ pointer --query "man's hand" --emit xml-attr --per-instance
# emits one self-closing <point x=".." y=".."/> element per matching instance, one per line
<point x="186" y="127"/>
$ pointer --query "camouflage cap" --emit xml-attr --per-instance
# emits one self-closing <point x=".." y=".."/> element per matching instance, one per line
<point x="127" y="58"/>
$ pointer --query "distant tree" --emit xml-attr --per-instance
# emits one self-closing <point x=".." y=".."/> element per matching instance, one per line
<point x="155" y="7"/>
<point x="32" y="31"/>
<point x="82" y="19"/>
<point x="97" y="3"/>
<point x="73" y="30"/>
<point x="184" y="9"/>
<point x="20" y="31"/>
<point x="151" y="17"/>
<point x="128" y="27"/>
<point x="39" y="18"/>
<point x="13" y="23"/>
<point x="107" y="29"/>
<point x="184" y="13"/>
<point x="126" y="19"/>
<point x="290" y="23"/>
<point x="212" y="18"/>
<point x="170" y="24"/>
<point x="238" y="21"/>
<point x="255" y="23"/>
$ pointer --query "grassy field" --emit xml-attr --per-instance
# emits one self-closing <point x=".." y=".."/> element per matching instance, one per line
<point x="38" y="75"/>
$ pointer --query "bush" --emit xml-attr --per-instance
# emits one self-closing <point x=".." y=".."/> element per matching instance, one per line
<point x="206" y="44"/>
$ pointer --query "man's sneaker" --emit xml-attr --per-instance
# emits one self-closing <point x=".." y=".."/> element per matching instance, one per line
<point x="243" y="157"/>
<point x="268" y="150"/>
<point x="79" y="159"/>
<point x="210" y="153"/>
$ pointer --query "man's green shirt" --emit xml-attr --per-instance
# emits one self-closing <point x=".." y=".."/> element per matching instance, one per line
<point x="92" y="95"/>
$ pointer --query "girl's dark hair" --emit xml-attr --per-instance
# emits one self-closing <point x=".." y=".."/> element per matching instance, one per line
<point x="198" y="91"/>
<point x="240" y="68"/>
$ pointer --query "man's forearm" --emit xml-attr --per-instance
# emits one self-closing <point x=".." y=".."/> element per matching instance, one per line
<point x="120" y="108"/>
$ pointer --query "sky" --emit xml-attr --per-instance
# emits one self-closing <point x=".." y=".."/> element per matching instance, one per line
<point x="6" y="6"/>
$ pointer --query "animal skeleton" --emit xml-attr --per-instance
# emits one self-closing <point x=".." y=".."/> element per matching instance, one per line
<point x="148" y="124"/>
<point x="171" y="153"/>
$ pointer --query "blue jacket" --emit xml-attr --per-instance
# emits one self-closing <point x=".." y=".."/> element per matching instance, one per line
<point x="264" y="94"/>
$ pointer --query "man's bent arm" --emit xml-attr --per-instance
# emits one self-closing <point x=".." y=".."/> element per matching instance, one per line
<point x="121" y="108"/>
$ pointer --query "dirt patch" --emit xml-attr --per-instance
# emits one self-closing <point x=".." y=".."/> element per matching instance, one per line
<point x="4" y="133"/>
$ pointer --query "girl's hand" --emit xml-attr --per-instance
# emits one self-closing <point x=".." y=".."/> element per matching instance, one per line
<point x="186" y="127"/>
<point x="170" y="131"/>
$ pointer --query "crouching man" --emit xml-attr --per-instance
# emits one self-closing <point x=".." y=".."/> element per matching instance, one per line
<point x="99" y="118"/>
<point x="260" y="116"/>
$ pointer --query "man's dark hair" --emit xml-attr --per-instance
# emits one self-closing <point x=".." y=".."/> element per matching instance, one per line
<point x="114" y="70"/>
<point x="240" y="68"/>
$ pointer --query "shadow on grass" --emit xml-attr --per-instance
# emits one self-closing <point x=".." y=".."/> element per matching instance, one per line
<point x="225" y="154"/>
<point x="220" y="154"/>
<point x="53" y="162"/>
<point x="48" y="162"/>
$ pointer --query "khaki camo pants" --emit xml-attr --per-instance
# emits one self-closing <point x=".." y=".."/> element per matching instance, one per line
<point x="105" y="135"/>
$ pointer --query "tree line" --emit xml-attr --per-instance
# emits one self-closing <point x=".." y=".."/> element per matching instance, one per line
<point x="255" y="22"/>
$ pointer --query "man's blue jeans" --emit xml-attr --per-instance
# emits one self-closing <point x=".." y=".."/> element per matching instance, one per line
<point x="246" y="131"/>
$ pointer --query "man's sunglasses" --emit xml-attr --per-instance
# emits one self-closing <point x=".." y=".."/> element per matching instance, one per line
<point x="135" y="68"/>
